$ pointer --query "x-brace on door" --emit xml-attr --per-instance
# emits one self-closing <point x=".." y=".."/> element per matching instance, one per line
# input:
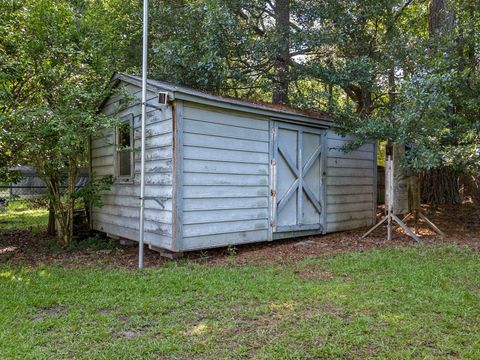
<point x="298" y="178"/>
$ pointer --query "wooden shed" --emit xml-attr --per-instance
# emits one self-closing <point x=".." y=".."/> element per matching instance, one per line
<point x="221" y="171"/>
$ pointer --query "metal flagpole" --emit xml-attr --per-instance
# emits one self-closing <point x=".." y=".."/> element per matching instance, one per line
<point x="144" y="113"/>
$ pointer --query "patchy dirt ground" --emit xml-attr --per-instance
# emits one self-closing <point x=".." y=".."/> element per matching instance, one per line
<point x="460" y="223"/>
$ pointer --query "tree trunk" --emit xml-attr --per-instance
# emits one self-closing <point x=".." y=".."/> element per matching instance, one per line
<point x="471" y="188"/>
<point x="400" y="178"/>
<point x="330" y="98"/>
<point x="282" y="57"/>
<point x="51" y="219"/>
<point x="72" y="180"/>
<point x="440" y="187"/>
<point x="440" y="17"/>
<point x="61" y="216"/>
<point x="63" y="205"/>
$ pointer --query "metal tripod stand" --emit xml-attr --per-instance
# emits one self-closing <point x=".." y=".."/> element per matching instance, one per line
<point x="390" y="216"/>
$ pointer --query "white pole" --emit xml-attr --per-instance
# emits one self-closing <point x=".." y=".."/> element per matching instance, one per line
<point x="144" y="113"/>
<point x="390" y="197"/>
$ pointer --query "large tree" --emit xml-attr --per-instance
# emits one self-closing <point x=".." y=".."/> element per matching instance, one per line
<point x="441" y="184"/>
<point x="411" y="69"/>
<point x="378" y="64"/>
<point x="243" y="48"/>
<point x="56" y="57"/>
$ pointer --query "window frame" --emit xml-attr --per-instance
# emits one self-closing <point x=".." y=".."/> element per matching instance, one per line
<point x="130" y="177"/>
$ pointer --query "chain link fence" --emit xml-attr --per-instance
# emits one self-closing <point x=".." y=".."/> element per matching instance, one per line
<point x="30" y="186"/>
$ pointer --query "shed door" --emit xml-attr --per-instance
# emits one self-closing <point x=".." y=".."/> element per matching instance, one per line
<point x="297" y="176"/>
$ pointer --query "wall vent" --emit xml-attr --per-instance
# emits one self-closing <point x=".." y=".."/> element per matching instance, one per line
<point x="162" y="98"/>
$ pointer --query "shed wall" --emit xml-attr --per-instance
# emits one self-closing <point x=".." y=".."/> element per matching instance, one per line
<point x="225" y="177"/>
<point x="220" y="164"/>
<point x="120" y="214"/>
<point x="351" y="185"/>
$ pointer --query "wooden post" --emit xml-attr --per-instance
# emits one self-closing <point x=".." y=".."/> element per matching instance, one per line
<point x="390" y="204"/>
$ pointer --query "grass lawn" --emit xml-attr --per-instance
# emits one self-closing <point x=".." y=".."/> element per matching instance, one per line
<point x="419" y="302"/>
<point x="392" y="303"/>
<point x="20" y="215"/>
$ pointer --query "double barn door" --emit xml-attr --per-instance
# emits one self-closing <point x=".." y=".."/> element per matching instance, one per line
<point x="298" y="178"/>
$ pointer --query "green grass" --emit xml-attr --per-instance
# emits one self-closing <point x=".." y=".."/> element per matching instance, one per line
<point x="20" y="215"/>
<point x="421" y="302"/>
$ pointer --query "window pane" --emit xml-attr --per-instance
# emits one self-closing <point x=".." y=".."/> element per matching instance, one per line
<point x="124" y="150"/>
<point x="124" y="135"/>
<point x="124" y="160"/>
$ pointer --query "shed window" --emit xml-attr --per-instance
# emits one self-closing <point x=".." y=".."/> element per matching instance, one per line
<point x="125" y="148"/>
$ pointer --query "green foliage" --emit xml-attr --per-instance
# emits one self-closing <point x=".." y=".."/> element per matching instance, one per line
<point x="411" y="86"/>
<point x="231" y="250"/>
<point x="57" y="57"/>
<point x="374" y="64"/>
<point x="95" y="242"/>
<point x="190" y="41"/>
<point x="90" y="193"/>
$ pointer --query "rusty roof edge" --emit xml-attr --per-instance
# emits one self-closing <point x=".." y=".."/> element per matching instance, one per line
<point x="186" y="93"/>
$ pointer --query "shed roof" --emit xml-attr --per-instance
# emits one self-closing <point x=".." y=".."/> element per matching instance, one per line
<point x="262" y="108"/>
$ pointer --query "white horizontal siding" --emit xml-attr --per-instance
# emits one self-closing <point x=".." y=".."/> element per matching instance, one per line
<point x="156" y="166"/>
<point x="209" y="216"/>
<point x="158" y="153"/>
<point x="209" y="192"/>
<point x="133" y="189"/>
<point x="130" y="201"/>
<point x="350" y="184"/>
<point x="345" y="162"/>
<point x="218" y="240"/>
<point x="349" y="199"/>
<point x="349" y="180"/>
<point x="225" y="178"/>
<point x="155" y="226"/>
<point x="224" y="167"/>
<point x="209" y="179"/>
<point x="349" y="225"/>
<point x="120" y="214"/>
<point x="226" y="203"/>
<point x="349" y="189"/>
<point x="232" y="156"/>
<point x="217" y="116"/>
<point x="224" y="143"/>
<point x="225" y="227"/>
<point x="336" y="142"/>
<point x="216" y="129"/>
<point x="132" y="234"/>
<point x="350" y="172"/>
<point x="159" y="215"/>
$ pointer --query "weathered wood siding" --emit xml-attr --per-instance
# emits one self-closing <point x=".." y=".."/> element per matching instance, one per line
<point x="120" y="214"/>
<point x="351" y="185"/>
<point x="225" y="178"/>
<point x="208" y="177"/>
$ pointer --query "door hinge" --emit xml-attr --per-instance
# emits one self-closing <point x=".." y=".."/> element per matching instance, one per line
<point x="273" y="193"/>
<point x="273" y="162"/>
<point x="272" y="223"/>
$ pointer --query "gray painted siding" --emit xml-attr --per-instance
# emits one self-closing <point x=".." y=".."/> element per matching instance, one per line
<point x="120" y="214"/>
<point x="211" y="187"/>
<point x="225" y="177"/>
<point x="351" y="185"/>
